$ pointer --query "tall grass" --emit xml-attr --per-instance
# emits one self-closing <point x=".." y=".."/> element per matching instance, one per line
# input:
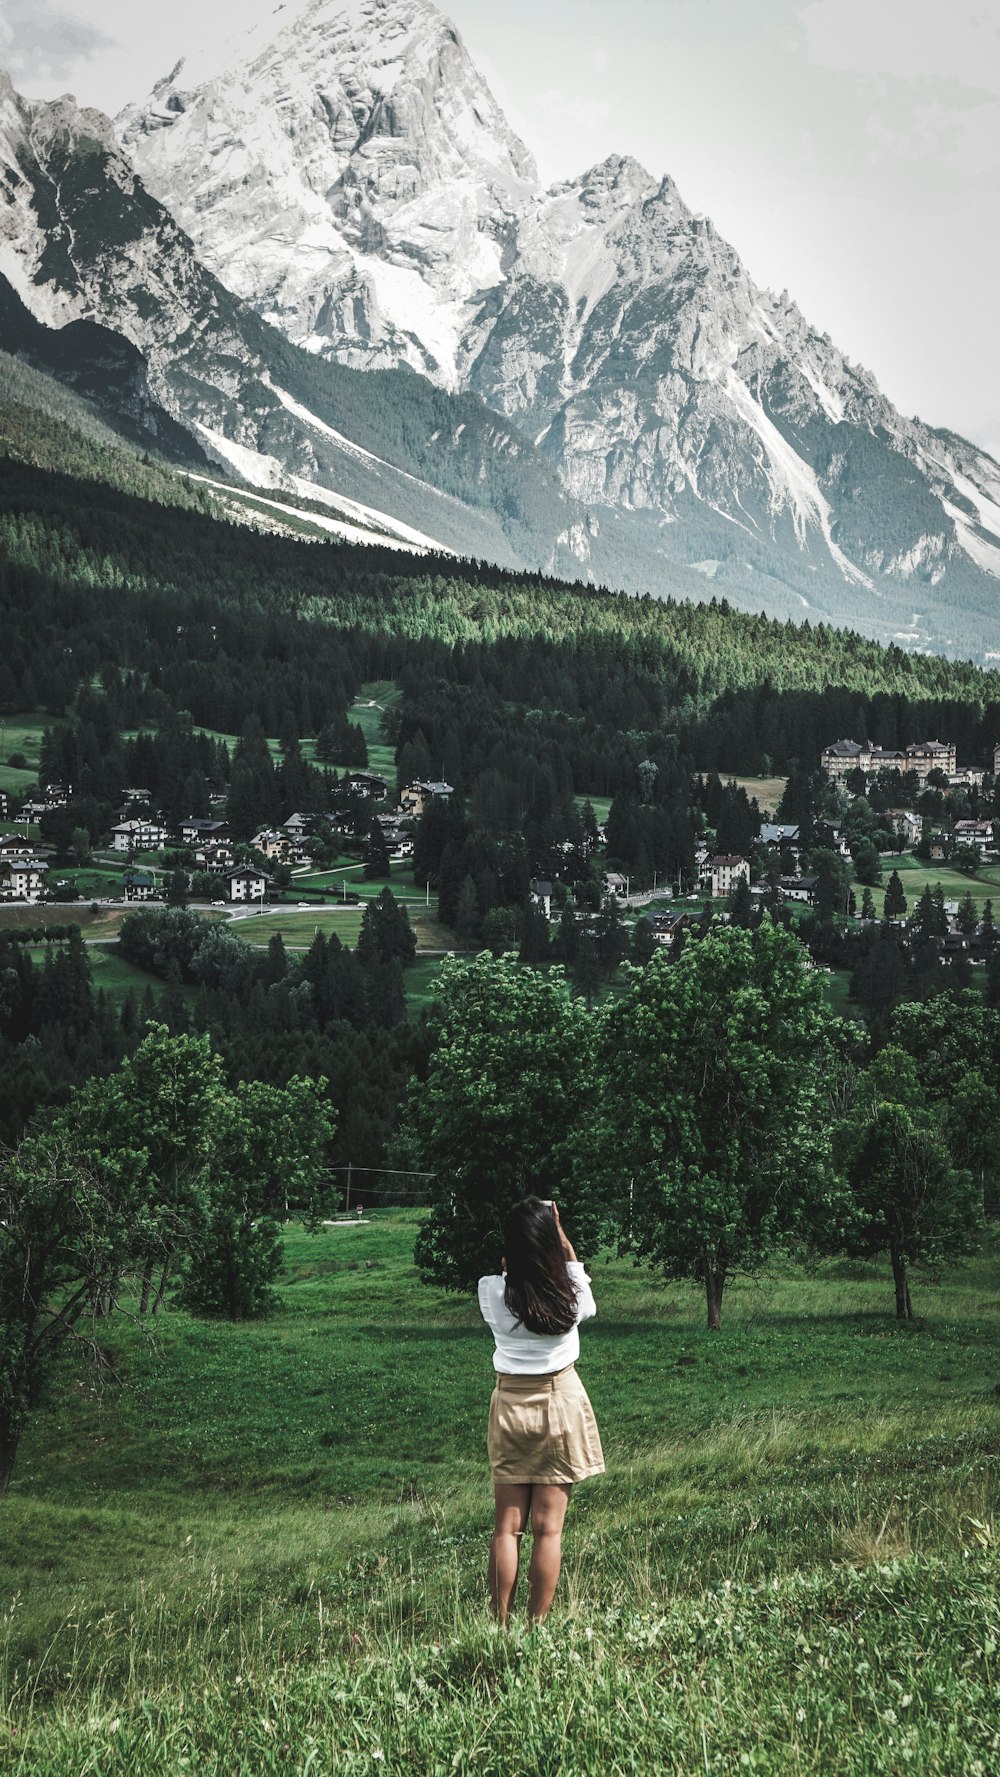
<point x="267" y="1553"/>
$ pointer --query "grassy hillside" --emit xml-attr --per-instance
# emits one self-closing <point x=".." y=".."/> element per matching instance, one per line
<point x="266" y="1552"/>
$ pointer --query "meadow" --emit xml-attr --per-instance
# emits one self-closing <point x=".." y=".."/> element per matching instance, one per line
<point x="264" y="1550"/>
<point x="915" y="875"/>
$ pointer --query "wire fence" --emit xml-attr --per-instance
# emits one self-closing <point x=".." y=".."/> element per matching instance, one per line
<point x="378" y="1187"/>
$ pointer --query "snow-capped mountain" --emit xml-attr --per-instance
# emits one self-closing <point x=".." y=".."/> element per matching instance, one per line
<point x="347" y="171"/>
<point x="82" y="240"/>
<point x="353" y="178"/>
<point x="288" y="232"/>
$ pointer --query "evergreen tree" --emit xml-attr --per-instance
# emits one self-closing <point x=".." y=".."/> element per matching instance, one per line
<point x="967" y="918"/>
<point x="386" y="933"/>
<point x="894" y="905"/>
<point x="376" y="854"/>
<point x="467" y="913"/>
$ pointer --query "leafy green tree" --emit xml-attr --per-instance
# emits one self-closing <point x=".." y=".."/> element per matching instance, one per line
<point x="910" y="1199"/>
<point x="967" y="859"/>
<point x="867" y="864"/>
<point x="894" y="905"/>
<point x="714" y="1123"/>
<point x="954" y="1041"/>
<point x="268" y="1156"/>
<point x="66" y="1228"/>
<point x="177" y="888"/>
<point x="867" y="905"/>
<point x="510" y="1079"/>
<point x="500" y="931"/>
<point x="165" y="1103"/>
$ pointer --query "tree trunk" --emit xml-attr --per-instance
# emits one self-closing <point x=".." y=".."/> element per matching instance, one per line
<point x="161" y="1292"/>
<point x="904" y="1307"/>
<point x="715" y="1283"/>
<point x="10" y="1437"/>
<point x="147" y="1280"/>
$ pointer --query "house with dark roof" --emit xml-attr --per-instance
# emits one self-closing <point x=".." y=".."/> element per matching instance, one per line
<point x="247" y="884"/>
<point x="138" y="885"/>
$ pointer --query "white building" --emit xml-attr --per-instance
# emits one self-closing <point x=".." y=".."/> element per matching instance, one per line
<point x="246" y="884"/>
<point x="723" y="872"/>
<point x="22" y="879"/>
<point x="138" y="834"/>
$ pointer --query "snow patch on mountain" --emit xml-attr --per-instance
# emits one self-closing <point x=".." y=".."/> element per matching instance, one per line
<point x="261" y="470"/>
<point x="793" y="482"/>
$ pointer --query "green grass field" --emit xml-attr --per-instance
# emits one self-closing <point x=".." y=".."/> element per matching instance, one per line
<point x="298" y="926"/>
<point x="21" y="733"/>
<point x="915" y="875"/>
<point x="265" y="1551"/>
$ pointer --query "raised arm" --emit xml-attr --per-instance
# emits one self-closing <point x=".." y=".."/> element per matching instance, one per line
<point x="567" y="1245"/>
<point x="586" y="1306"/>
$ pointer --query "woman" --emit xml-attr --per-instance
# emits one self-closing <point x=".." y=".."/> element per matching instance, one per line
<point x="542" y="1432"/>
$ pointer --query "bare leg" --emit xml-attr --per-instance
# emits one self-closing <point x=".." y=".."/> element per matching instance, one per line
<point x="548" y="1514"/>
<point x="509" y="1525"/>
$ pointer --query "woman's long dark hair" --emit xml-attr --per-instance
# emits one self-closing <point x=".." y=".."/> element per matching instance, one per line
<point x="539" y="1291"/>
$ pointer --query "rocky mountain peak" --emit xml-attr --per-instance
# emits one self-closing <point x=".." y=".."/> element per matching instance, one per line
<point x="353" y="177"/>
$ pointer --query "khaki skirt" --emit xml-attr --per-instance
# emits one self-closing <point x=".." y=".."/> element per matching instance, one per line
<point x="542" y="1430"/>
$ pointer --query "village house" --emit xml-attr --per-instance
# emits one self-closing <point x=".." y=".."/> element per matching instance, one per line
<point x="615" y="884"/>
<point x="779" y="835"/>
<point x="138" y="834"/>
<point x="198" y="832"/>
<point x="799" y="888"/>
<point x="978" y="834"/>
<point x="31" y="811"/>
<point x="4" y="806"/>
<point x="414" y="798"/>
<point x="297" y="826"/>
<point x="905" y="824"/>
<point x="138" y="885"/>
<point x="22" y="879"/>
<point x="272" y="845"/>
<point x="367" y="784"/>
<point x="247" y="884"/>
<point x="666" y="927"/>
<point x="540" y="894"/>
<point x="722" y="873"/>
<point x="215" y="858"/>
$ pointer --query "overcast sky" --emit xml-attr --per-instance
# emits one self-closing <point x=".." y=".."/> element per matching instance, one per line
<point x="849" y="149"/>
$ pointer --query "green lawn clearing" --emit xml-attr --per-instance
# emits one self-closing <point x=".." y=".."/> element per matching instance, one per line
<point x="915" y="876"/>
<point x="264" y="1550"/>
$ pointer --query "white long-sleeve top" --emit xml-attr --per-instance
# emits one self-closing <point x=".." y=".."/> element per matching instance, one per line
<point x="520" y="1352"/>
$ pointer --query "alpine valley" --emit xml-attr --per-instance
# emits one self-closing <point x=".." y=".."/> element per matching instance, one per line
<point x="323" y="267"/>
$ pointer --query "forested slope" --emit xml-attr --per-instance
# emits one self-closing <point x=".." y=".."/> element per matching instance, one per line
<point x="103" y="576"/>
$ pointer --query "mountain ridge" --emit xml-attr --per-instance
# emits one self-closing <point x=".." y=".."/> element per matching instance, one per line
<point x="618" y="328"/>
<point x="612" y="395"/>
